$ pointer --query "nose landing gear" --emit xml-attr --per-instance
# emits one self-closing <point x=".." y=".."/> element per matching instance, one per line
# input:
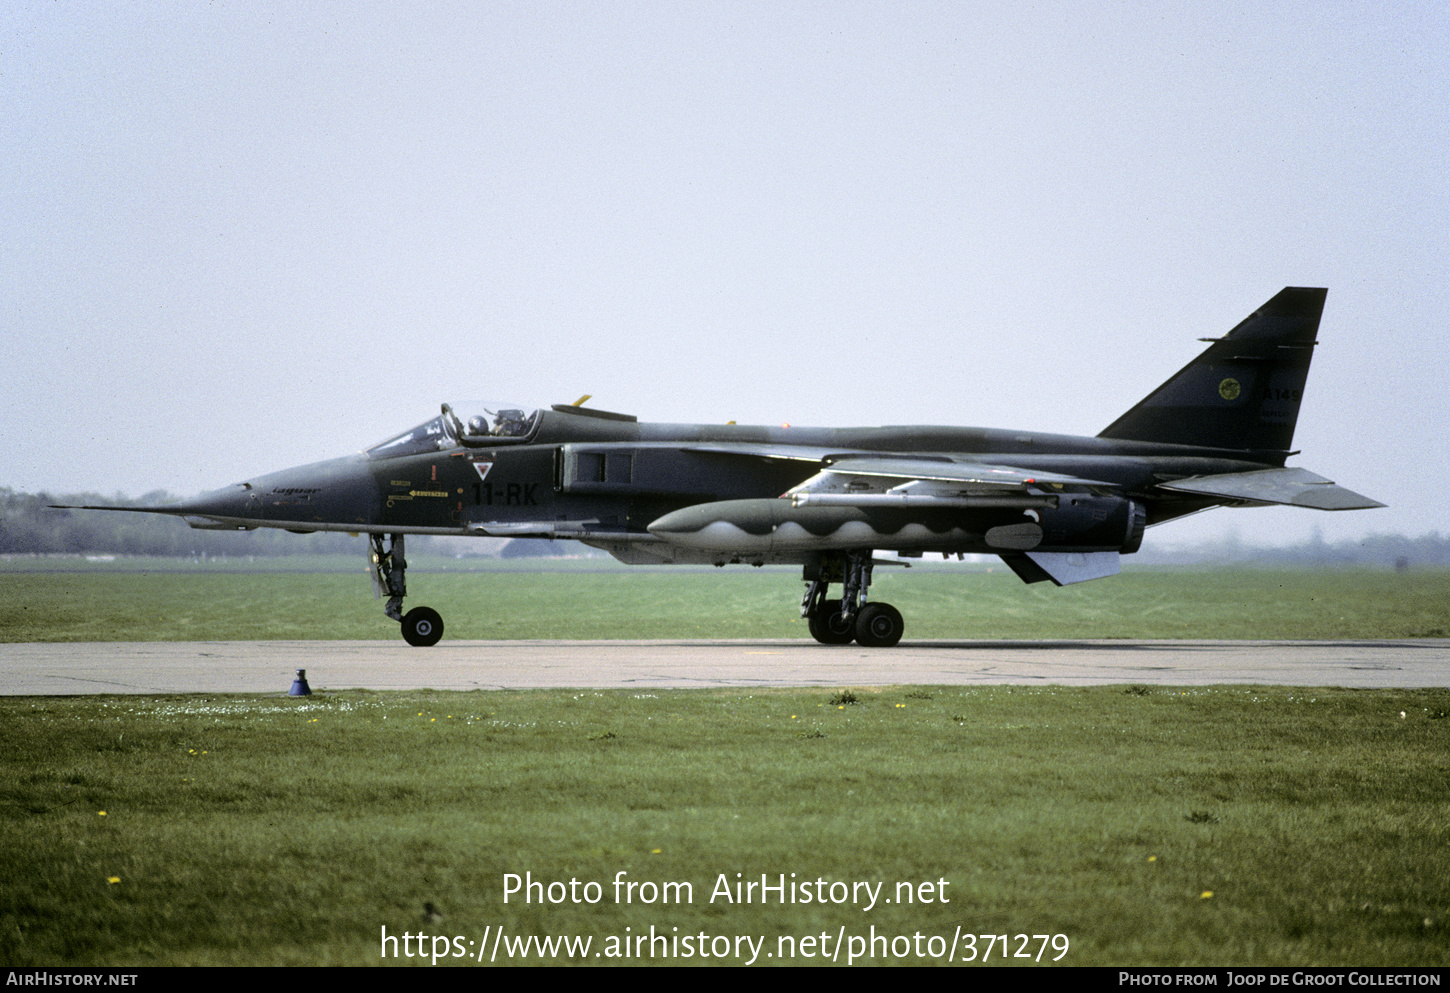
<point x="422" y="626"/>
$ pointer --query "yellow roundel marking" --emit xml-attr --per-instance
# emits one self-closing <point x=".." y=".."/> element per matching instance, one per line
<point x="1229" y="389"/>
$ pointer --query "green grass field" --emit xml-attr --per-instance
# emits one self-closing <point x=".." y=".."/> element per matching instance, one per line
<point x="1217" y="826"/>
<point x="1131" y="825"/>
<point x="104" y="605"/>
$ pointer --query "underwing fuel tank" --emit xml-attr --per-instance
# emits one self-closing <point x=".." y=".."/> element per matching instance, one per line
<point x="1080" y="523"/>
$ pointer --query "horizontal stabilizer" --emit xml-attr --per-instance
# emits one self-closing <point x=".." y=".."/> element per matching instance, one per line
<point x="1292" y="487"/>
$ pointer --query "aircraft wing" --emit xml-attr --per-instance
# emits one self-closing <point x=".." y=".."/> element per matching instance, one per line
<point x="903" y="481"/>
<point x="1292" y="487"/>
<point x="933" y="483"/>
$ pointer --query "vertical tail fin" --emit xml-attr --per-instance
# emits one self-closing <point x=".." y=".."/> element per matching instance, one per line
<point x="1244" y="391"/>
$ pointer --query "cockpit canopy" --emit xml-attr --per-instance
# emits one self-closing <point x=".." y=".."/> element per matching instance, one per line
<point x="480" y="425"/>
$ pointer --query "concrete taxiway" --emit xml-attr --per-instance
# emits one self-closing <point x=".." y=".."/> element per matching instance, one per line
<point x="269" y="666"/>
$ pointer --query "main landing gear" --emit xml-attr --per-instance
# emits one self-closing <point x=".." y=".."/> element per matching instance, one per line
<point x="422" y="626"/>
<point x="851" y="618"/>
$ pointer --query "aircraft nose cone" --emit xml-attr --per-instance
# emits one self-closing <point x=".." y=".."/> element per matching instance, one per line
<point x="339" y="492"/>
<point x="231" y="501"/>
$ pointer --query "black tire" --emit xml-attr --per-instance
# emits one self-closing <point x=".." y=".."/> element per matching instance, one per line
<point x="826" y="626"/>
<point x="879" y="625"/>
<point x="422" y="627"/>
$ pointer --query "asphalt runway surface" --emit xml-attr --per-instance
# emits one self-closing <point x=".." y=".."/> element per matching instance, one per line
<point x="43" y="669"/>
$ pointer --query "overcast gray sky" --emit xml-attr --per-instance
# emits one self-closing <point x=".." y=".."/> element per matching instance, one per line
<point x="236" y="237"/>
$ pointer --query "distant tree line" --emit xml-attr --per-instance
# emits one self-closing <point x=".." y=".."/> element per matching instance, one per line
<point x="29" y="526"/>
<point x="1396" y="551"/>
<point x="1393" y="551"/>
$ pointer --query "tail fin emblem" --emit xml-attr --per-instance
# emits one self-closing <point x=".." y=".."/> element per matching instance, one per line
<point x="1229" y="389"/>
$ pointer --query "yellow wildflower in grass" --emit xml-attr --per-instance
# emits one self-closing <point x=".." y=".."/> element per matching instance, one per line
<point x="1206" y="895"/>
<point x="100" y="813"/>
<point x="113" y="880"/>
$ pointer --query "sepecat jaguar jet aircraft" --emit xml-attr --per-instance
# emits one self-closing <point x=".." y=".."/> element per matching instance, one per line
<point x="1054" y="507"/>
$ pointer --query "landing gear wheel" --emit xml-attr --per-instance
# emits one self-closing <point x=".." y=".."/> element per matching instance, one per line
<point x="827" y="627"/>
<point x="422" y="627"/>
<point x="879" y="625"/>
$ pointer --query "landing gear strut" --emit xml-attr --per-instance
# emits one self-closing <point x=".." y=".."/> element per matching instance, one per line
<point x="422" y="626"/>
<point x="851" y="618"/>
